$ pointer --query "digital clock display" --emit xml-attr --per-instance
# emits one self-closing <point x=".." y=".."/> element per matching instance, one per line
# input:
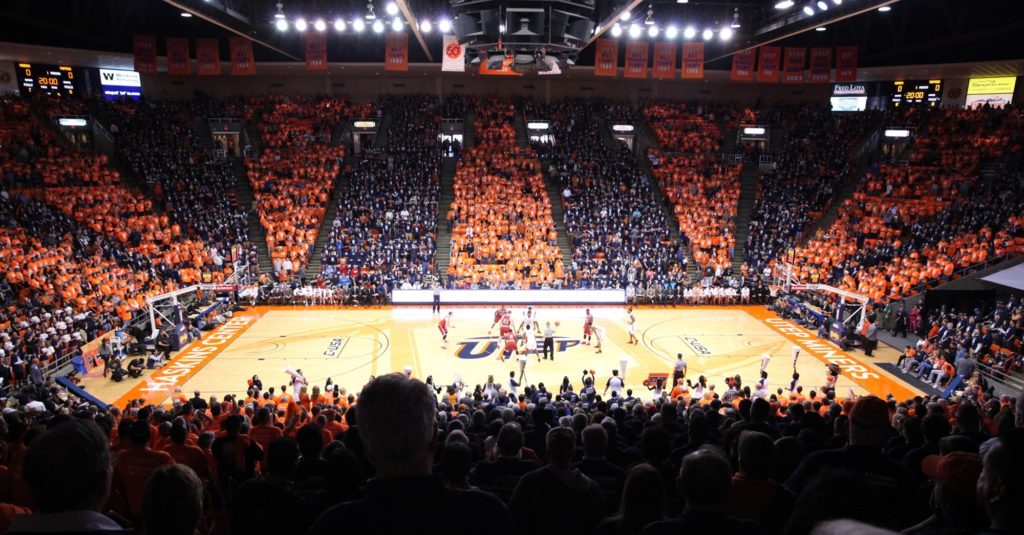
<point x="47" y="79"/>
<point x="917" y="93"/>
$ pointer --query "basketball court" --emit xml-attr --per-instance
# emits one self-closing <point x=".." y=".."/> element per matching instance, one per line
<point x="349" y="345"/>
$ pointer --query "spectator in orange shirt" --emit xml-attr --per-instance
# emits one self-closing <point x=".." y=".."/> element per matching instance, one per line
<point x="132" y="469"/>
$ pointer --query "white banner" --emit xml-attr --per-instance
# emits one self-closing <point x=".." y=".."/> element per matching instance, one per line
<point x="453" y="55"/>
<point x="517" y="297"/>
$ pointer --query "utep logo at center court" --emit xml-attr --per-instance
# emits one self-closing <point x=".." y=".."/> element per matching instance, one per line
<point x="479" y="347"/>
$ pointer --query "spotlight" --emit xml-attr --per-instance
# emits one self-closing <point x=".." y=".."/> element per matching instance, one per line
<point x="300" y="25"/>
<point x="501" y="29"/>
<point x="885" y="9"/>
<point x="784" y="4"/>
<point x="819" y="29"/>
<point x="444" y="25"/>
<point x="808" y="10"/>
<point x="396" y="25"/>
<point x="671" y="32"/>
<point x="186" y="15"/>
<point x="690" y="32"/>
<point x="282" y="25"/>
<point x="339" y="25"/>
<point x="625" y="16"/>
<point x="320" y="25"/>
<point x="425" y="26"/>
<point x="725" y="34"/>
<point x="652" y="31"/>
<point x="634" y="31"/>
<point x="616" y="30"/>
<point x="391" y="8"/>
<point x="708" y="34"/>
<point x="822" y="5"/>
<point x="378" y="27"/>
<point x="837" y="2"/>
<point x="358" y="25"/>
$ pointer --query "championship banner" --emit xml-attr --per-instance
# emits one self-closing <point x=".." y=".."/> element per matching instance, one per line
<point x="177" y="56"/>
<point x="606" y="58"/>
<point x="743" y="66"/>
<point x="207" y="57"/>
<point x="453" y="55"/>
<point x="793" y="65"/>
<point x="144" y="51"/>
<point x="664" y="60"/>
<point x="316" y="51"/>
<point x="768" y="58"/>
<point x="636" y="59"/>
<point x="396" y="51"/>
<point x="242" y="61"/>
<point x="846" y="64"/>
<point x="821" y="65"/>
<point x="693" y="61"/>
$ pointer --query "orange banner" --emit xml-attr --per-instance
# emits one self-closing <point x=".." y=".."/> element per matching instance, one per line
<point x="846" y="64"/>
<point x="821" y="65"/>
<point x="606" y="58"/>
<point x="636" y="59"/>
<point x="743" y="66"/>
<point x="793" y="65"/>
<point x="768" y="58"/>
<point x="396" y="51"/>
<point x="177" y="56"/>
<point x="207" y="57"/>
<point x="693" y="61"/>
<point x="316" y="51"/>
<point x="242" y="61"/>
<point x="144" y="51"/>
<point x="664" y="60"/>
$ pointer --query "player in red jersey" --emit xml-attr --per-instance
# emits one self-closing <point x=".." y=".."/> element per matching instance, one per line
<point x="505" y="324"/>
<point x="498" y="314"/>
<point x="511" y="344"/>
<point x="588" y="328"/>
<point x="443" y="326"/>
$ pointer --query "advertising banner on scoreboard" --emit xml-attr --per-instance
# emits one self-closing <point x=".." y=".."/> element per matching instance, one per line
<point x="768" y="58"/>
<point x="664" y="60"/>
<point x="636" y="59"/>
<point x="743" y="66"/>
<point x="177" y="56"/>
<point x="118" y="84"/>
<point x="396" y="51"/>
<point x="453" y="55"/>
<point x="316" y="51"/>
<point x="144" y="52"/>
<point x="606" y="58"/>
<point x="207" y="57"/>
<point x="242" y="61"/>
<point x="846" y="64"/>
<point x="821" y="65"/>
<point x="793" y="63"/>
<point x="693" y="61"/>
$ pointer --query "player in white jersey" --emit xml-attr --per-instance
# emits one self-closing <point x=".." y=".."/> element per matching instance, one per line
<point x="631" y="326"/>
<point x="598" y="337"/>
<point x="530" y="333"/>
<point x="796" y="355"/>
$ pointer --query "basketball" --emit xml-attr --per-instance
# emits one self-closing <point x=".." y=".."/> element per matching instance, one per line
<point x="558" y="323"/>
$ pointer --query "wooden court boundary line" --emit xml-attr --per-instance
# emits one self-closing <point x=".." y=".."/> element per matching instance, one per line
<point x="864" y="374"/>
<point x="159" y="385"/>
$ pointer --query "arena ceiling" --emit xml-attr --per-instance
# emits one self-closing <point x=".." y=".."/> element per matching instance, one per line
<point x="912" y="32"/>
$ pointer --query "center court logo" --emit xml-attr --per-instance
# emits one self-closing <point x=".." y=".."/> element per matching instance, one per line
<point x="490" y="346"/>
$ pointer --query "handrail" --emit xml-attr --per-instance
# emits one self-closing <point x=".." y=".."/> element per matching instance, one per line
<point x="994" y="374"/>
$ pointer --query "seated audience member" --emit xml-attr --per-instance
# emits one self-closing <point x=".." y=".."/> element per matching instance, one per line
<point x="289" y="513"/>
<point x="643" y="503"/>
<point x="173" y="502"/>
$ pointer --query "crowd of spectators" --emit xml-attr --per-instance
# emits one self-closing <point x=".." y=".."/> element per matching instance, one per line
<point x="704" y="193"/>
<point x="909" y="225"/>
<point x="814" y="162"/>
<point x="616" y="227"/>
<point x="385" y="231"/>
<point x="503" y="234"/>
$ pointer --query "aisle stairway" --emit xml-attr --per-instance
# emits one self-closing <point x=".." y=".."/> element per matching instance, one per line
<point x="341" y="183"/>
<point x="558" y="215"/>
<point x="442" y="257"/>
<point x="522" y="138"/>
<point x="468" y="136"/>
<point x="748" y="193"/>
<point x="256" y="233"/>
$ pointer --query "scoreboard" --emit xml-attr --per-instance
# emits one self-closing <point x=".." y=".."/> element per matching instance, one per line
<point x="48" y="79"/>
<point x="917" y="93"/>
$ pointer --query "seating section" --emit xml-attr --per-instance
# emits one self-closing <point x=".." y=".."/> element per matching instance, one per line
<point x="618" y="231"/>
<point x="294" y="176"/>
<point x="385" y="230"/>
<point x="910" y="225"/>
<point x="813" y="164"/>
<point x="704" y="193"/>
<point x="503" y="234"/>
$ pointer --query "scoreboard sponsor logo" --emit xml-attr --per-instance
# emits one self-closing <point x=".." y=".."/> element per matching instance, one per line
<point x="120" y="78"/>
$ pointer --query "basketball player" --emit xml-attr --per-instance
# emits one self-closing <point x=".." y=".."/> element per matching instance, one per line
<point x="598" y="337"/>
<point x="796" y="355"/>
<point x="498" y="314"/>
<point x="631" y="326"/>
<point x="529" y="318"/>
<point x="530" y="333"/>
<point x="588" y="326"/>
<point x="443" y="326"/>
<point x="510" y="346"/>
<point x="505" y="323"/>
<point x="522" y="365"/>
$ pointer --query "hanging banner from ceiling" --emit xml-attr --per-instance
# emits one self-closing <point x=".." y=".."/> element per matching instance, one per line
<point x="743" y="66"/>
<point x="316" y="51"/>
<point x="606" y="58"/>
<point x="793" y="63"/>
<point x="144" y="52"/>
<point x="396" y="51"/>
<point x="242" y="61"/>
<point x="768" y="58"/>
<point x="664" y="60"/>
<point x="207" y="57"/>
<point x="821" y="65"/>
<point x="693" y="61"/>
<point x="177" y="56"/>
<point x="453" y="55"/>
